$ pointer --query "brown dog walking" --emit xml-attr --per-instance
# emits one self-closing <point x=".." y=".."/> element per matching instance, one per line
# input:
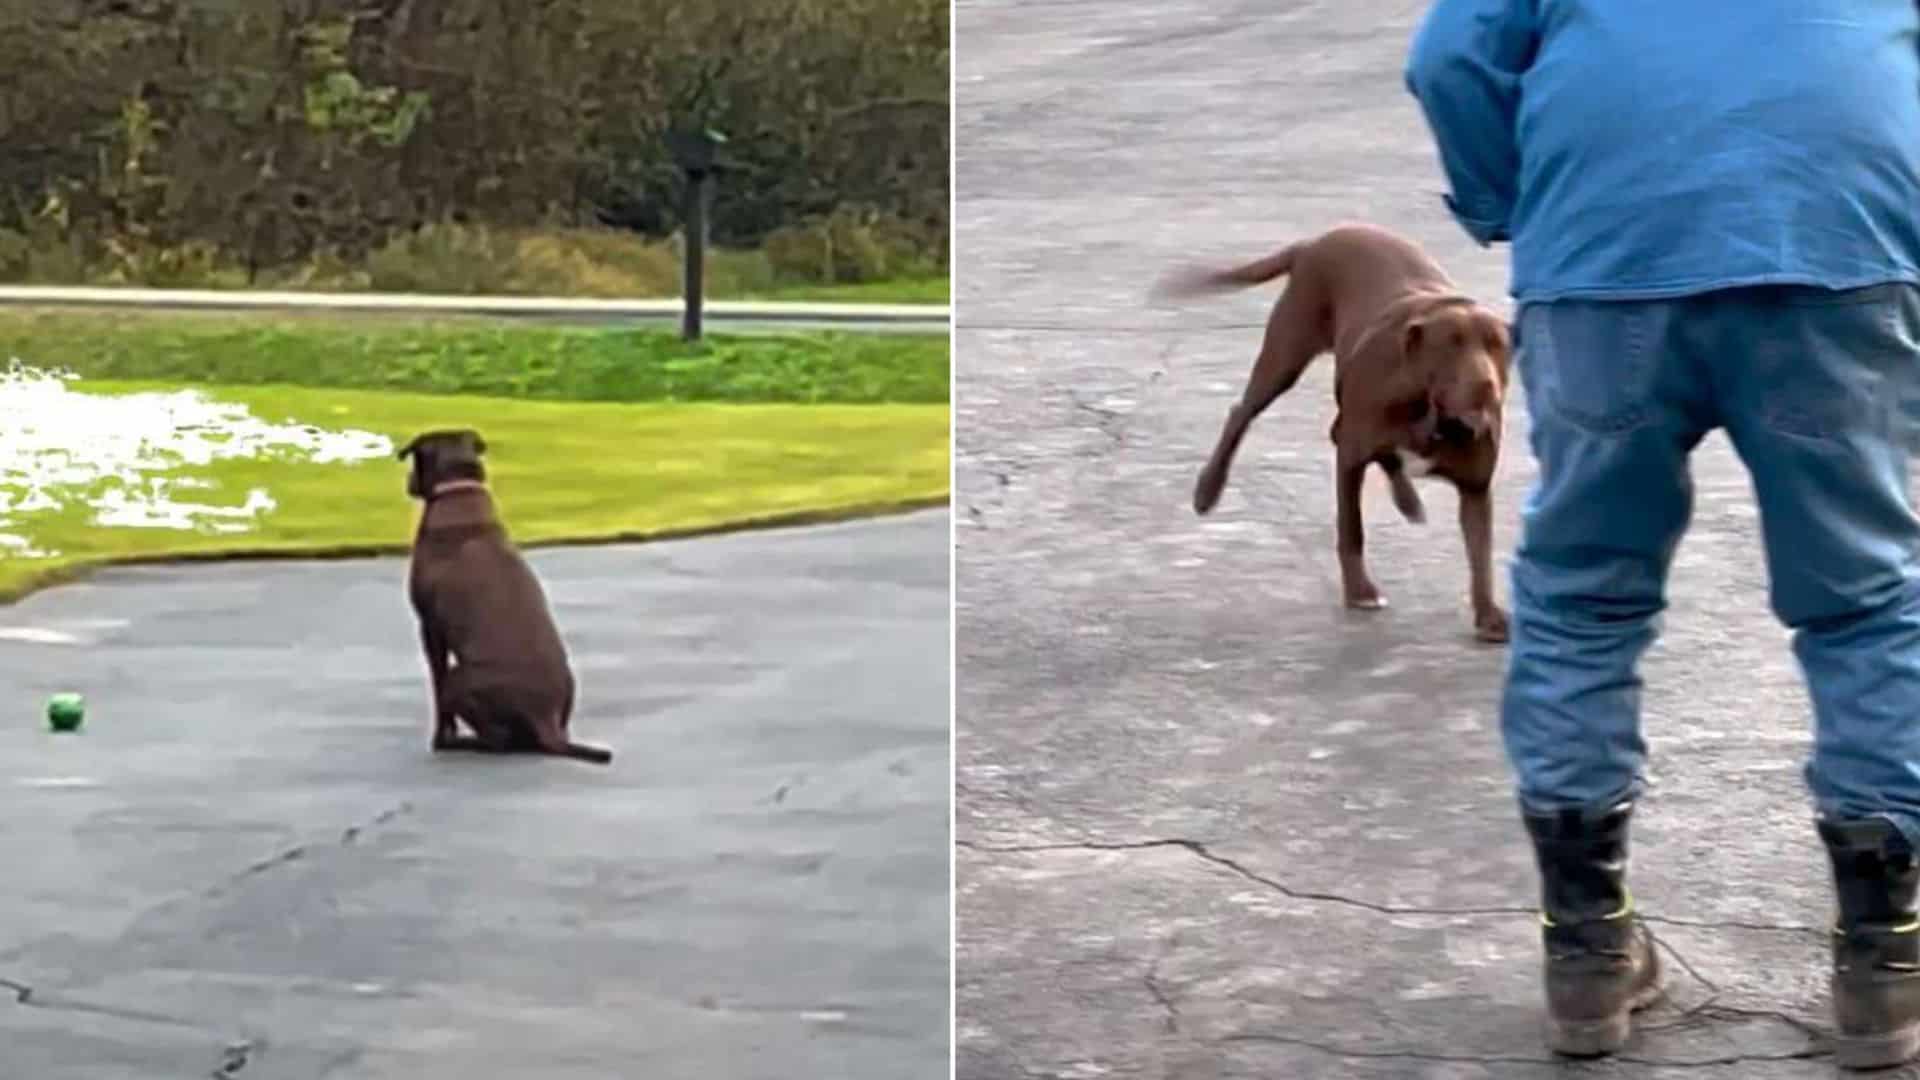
<point x="1420" y="378"/>
<point x="495" y="658"/>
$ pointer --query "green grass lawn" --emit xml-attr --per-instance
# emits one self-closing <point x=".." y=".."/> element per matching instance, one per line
<point x="480" y="357"/>
<point x="561" y="472"/>
<point x="593" y="434"/>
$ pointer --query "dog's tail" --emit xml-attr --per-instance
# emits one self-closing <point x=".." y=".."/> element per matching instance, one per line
<point x="599" y="755"/>
<point x="1198" y="281"/>
<point x="552" y="738"/>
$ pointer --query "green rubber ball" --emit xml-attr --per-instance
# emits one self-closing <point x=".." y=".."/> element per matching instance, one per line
<point x="66" y="712"/>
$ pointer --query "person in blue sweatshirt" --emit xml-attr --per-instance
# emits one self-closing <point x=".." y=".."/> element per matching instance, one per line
<point x="1711" y="212"/>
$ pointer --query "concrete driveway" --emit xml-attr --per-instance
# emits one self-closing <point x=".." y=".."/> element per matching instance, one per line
<point x="249" y="864"/>
<point x="1211" y="825"/>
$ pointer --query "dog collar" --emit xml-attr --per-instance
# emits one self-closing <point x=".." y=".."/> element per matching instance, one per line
<point x="452" y="486"/>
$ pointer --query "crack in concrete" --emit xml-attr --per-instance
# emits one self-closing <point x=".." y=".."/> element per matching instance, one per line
<point x="1110" y="421"/>
<point x="1113" y="422"/>
<point x="1734" y="924"/>
<point x="236" y="1056"/>
<point x="1202" y="850"/>
<point x="352" y="833"/>
<point x="1356" y="1054"/>
<point x="1710" y="1011"/>
<point x="1165" y="1000"/>
<point x="1004" y="473"/>
<point x="348" y="837"/>
<point x="26" y="996"/>
<point x="1707" y="1011"/>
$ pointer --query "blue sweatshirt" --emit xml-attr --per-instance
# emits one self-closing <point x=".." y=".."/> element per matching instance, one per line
<point x="1660" y="148"/>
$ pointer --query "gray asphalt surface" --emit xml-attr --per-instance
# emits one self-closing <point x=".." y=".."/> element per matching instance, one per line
<point x="249" y="864"/>
<point x="1210" y="824"/>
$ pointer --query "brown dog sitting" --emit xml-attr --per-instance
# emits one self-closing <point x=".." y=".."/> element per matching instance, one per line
<point x="1420" y="378"/>
<point x="481" y="607"/>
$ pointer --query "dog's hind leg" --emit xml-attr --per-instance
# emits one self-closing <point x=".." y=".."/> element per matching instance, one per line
<point x="1297" y="331"/>
<point x="468" y="743"/>
<point x="481" y="713"/>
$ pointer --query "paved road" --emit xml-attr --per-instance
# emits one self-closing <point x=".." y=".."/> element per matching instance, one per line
<point x="1211" y="826"/>
<point x="250" y="860"/>
<point x="735" y="316"/>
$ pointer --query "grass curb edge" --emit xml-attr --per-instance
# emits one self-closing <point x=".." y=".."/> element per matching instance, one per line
<point x="73" y="573"/>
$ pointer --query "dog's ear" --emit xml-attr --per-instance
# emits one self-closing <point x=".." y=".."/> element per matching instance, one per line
<point x="475" y="441"/>
<point x="408" y="450"/>
<point x="1414" y="336"/>
<point x="1509" y="342"/>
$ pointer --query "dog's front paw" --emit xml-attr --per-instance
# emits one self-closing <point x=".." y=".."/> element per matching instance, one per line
<point x="1206" y="492"/>
<point x="1490" y="627"/>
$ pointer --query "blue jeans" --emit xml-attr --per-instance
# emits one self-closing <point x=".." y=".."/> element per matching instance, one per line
<point x="1814" y="389"/>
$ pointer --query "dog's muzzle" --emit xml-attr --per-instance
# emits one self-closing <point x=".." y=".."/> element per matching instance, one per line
<point x="1453" y="431"/>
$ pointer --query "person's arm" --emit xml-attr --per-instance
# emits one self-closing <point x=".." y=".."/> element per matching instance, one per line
<point x="1464" y="70"/>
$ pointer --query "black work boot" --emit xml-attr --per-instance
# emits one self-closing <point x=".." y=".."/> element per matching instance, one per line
<point x="1876" y="944"/>
<point x="1600" y="961"/>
